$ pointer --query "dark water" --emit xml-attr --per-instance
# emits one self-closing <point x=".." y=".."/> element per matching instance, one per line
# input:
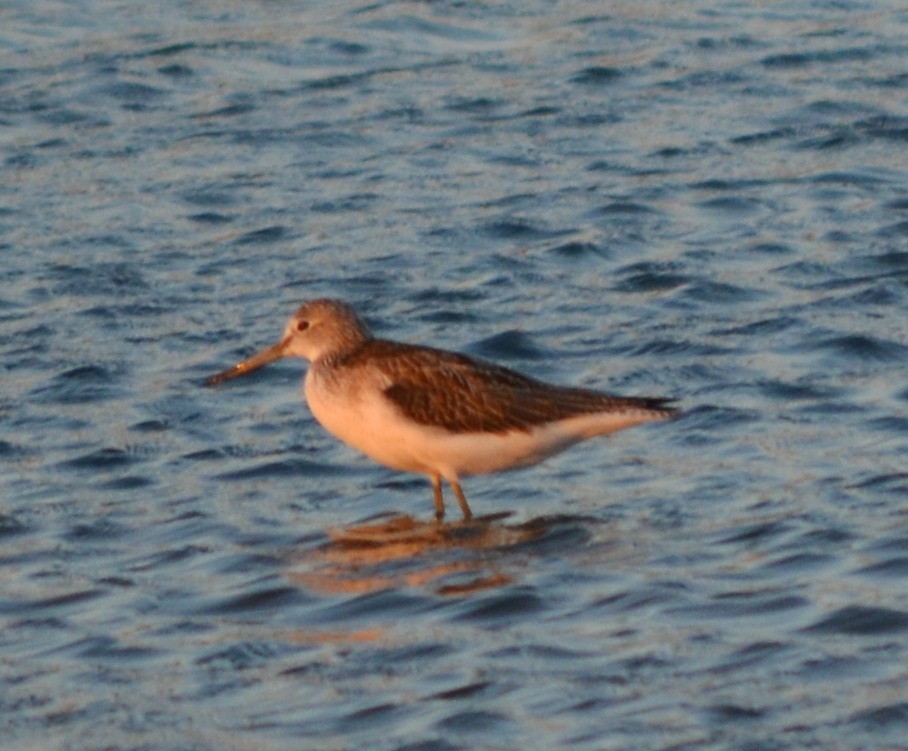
<point x="690" y="199"/>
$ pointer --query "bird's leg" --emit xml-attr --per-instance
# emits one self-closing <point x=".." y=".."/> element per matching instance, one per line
<point x="462" y="500"/>
<point x="439" y="501"/>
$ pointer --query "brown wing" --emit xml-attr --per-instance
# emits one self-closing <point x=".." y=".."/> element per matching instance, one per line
<point x="463" y="394"/>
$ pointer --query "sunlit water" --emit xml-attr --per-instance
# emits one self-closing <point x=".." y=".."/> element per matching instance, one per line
<point x="702" y="200"/>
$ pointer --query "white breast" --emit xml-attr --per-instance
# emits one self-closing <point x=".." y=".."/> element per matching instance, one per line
<point x="364" y="419"/>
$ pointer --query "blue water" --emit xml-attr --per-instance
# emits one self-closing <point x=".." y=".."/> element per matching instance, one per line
<point x="700" y="200"/>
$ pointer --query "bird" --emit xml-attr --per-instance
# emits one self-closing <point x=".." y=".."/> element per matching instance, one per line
<point x="431" y="411"/>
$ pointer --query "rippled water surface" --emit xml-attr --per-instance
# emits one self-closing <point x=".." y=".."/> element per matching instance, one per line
<point x="702" y="200"/>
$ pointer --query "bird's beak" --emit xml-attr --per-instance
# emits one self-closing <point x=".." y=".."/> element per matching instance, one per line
<point x="253" y="363"/>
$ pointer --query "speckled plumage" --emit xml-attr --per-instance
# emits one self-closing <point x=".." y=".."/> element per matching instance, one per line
<point x="444" y="414"/>
<point x="467" y="395"/>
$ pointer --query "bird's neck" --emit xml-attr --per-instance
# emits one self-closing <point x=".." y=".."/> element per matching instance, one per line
<point x="348" y="348"/>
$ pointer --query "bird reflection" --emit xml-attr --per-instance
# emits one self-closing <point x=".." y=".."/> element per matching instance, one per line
<point x="401" y="551"/>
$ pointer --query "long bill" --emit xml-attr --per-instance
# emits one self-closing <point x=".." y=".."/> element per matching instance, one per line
<point x="247" y="366"/>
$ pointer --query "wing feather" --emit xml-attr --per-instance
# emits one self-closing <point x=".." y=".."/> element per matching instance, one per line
<point x="464" y="394"/>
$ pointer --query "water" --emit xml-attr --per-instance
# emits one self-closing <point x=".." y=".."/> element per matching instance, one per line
<point x="654" y="198"/>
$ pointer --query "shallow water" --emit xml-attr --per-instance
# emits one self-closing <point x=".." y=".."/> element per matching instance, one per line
<point x="651" y="198"/>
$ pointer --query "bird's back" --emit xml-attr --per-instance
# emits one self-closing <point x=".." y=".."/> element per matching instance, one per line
<point x="463" y="394"/>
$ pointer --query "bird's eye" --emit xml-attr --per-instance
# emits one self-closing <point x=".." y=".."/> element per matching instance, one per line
<point x="302" y="325"/>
